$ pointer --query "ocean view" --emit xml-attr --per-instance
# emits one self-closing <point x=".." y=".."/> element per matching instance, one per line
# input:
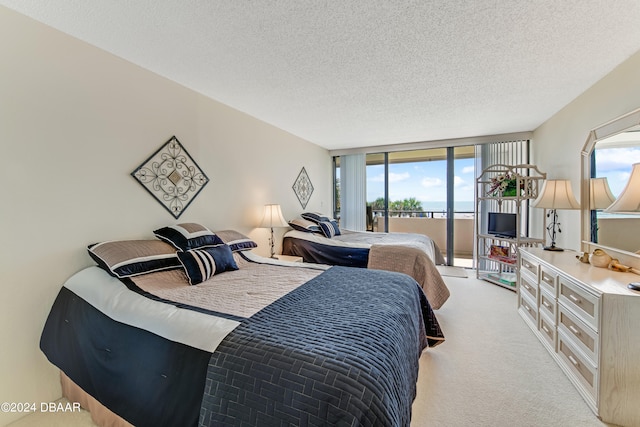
<point x="441" y="206"/>
<point x="463" y="209"/>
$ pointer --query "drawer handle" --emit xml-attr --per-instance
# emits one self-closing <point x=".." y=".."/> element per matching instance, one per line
<point x="527" y="287"/>
<point x="546" y="304"/>
<point x="574" y="330"/>
<point x="547" y="279"/>
<point x="544" y="328"/>
<point x="526" y="307"/>
<point x="574" y="361"/>
<point x="575" y="299"/>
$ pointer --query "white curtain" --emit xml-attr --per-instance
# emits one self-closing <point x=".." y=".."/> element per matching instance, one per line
<point x="353" y="192"/>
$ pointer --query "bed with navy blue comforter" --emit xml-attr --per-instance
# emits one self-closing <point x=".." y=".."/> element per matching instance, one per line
<point x="342" y="348"/>
<point x="351" y="248"/>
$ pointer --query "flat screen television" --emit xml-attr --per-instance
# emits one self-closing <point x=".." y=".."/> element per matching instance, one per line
<point x="502" y="224"/>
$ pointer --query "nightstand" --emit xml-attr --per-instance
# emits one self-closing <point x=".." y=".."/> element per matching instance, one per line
<point x="290" y="258"/>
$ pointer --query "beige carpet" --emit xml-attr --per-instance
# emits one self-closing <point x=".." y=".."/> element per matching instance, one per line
<point x="449" y="271"/>
<point x="491" y="371"/>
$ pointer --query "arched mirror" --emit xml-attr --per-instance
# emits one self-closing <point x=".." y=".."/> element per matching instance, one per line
<point x="610" y="152"/>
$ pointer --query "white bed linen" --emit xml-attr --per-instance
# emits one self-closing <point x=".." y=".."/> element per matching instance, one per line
<point x="114" y="299"/>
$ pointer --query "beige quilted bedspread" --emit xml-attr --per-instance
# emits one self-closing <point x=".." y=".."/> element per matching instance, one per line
<point x="415" y="263"/>
<point x="242" y="293"/>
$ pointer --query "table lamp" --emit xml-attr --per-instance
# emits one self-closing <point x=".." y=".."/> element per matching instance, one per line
<point x="555" y="194"/>
<point x="273" y="218"/>
<point x="600" y="197"/>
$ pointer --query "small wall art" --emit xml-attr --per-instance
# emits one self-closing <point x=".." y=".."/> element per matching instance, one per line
<point x="172" y="177"/>
<point x="303" y="188"/>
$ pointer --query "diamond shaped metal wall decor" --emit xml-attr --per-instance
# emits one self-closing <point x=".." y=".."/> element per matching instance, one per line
<point x="303" y="188"/>
<point x="172" y="177"/>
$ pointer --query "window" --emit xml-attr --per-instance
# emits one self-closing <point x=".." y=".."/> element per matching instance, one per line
<point x="409" y="191"/>
<point x="430" y="191"/>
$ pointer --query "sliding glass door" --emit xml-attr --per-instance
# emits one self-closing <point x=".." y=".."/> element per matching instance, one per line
<point x="427" y="192"/>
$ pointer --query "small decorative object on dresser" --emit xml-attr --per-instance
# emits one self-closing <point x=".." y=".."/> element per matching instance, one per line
<point x="583" y="257"/>
<point x="600" y="258"/>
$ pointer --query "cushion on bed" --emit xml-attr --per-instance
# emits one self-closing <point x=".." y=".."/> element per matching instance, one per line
<point x="329" y="228"/>
<point x="305" y="225"/>
<point x="187" y="236"/>
<point x="202" y="264"/>
<point x="315" y="217"/>
<point x="126" y="258"/>
<point x="236" y="240"/>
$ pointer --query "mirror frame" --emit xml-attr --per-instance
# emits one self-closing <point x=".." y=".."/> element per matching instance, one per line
<point x="599" y="133"/>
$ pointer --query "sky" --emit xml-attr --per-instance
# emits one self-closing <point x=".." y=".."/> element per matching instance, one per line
<point x="426" y="181"/>
<point x="615" y="164"/>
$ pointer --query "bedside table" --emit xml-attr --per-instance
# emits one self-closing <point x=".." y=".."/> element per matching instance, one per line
<point x="290" y="258"/>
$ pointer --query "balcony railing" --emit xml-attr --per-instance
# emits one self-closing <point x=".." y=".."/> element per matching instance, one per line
<point x="422" y="214"/>
<point x="431" y="224"/>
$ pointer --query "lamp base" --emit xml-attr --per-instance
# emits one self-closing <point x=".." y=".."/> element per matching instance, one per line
<point x="634" y="286"/>
<point x="553" y="248"/>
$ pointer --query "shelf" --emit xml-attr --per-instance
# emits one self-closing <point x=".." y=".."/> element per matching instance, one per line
<point x="506" y="280"/>
<point x="525" y="240"/>
<point x="496" y="256"/>
<point x="508" y="264"/>
<point x="504" y="259"/>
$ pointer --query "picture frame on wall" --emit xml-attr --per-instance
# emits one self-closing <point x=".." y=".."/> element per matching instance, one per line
<point x="172" y="177"/>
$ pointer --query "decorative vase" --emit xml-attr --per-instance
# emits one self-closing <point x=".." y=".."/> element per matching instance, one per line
<point x="600" y="258"/>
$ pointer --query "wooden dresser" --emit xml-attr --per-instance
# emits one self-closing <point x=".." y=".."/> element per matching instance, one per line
<point x="590" y="322"/>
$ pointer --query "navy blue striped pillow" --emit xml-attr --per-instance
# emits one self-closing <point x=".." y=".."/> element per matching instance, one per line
<point x="202" y="264"/>
<point x="315" y="217"/>
<point x="305" y="225"/>
<point x="187" y="236"/>
<point x="237" y="241"/>
<point x="329" y="228"/>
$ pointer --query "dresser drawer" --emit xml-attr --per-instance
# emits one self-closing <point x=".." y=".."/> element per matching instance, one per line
<point x="528" y="308"/>
<point x="578" y="300"/>
<point x="583" y="369"/>
<point x="549" y="280"/>
<point x="584" y="337"/>
<point x="530" y="265"/>
<point x="529" y="287"/>
<point x="548" y="305"/>
<point x="548" y="329"/>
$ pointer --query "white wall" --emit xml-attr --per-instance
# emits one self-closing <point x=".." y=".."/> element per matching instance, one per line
<point x="557" y="143"/>
<point x="74" y="122"/>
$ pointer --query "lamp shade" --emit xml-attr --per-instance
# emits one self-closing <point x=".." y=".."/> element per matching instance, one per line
<point x="629" y="200"/>
<point x="273" y="217"/>
<point x="600" y="196"/>
<point x="556" y="194"/>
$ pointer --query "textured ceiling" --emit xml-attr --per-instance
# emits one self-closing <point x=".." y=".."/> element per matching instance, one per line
<point x="345" y="74"/>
